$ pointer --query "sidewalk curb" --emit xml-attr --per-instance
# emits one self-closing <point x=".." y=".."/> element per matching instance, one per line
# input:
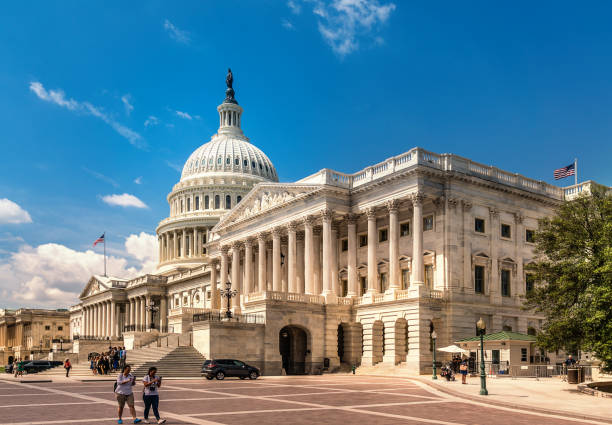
<point x="482" y="399"/>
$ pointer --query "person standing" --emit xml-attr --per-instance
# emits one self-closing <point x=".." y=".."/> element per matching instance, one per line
<point x="463" y="369"/>
<point x="150" y="396"/>
<point x="124" y="393"/>
<point x="67" y="366"/>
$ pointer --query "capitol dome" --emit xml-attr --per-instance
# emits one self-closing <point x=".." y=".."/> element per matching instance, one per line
<point x="215" y="178"/>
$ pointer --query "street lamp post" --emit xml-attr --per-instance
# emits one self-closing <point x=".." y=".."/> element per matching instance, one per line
<point x="482" y="329"/>
<point x="228" y="293"/>
<point x="433" y="338"/>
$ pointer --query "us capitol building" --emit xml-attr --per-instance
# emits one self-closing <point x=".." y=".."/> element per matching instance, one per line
<point x="334" y="268"/>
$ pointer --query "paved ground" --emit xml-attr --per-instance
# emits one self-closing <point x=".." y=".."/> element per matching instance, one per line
<point x="269" y="400"/>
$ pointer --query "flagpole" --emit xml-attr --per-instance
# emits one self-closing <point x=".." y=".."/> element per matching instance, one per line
<point x="105" y="254"/>
<point x="576" y="171"/>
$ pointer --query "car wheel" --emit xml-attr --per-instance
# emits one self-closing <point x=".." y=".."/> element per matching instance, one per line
<point x="209" y="377"/>
<point x="243" y="377"/>
<point x="253" y="375"/>
<point x="220" y="376"/>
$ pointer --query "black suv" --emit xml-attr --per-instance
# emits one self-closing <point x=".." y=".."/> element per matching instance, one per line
<point x="220" y="368"/>
<point x="37" y="366"/>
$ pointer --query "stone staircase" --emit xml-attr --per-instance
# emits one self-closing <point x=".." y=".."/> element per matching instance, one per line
<point x="175" y="362"/>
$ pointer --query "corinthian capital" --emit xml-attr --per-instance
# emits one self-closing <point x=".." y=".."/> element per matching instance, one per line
<point x="371" y="213"/>
<point x="327" y="215"/>
<point x="417" y="198"/>
<point x="393" y="205"/>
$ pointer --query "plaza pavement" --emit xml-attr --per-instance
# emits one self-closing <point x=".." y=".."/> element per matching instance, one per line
<point x="327" y="399"/>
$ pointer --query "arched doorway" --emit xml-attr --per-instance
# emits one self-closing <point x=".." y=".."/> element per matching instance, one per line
<point x="292" y="345"/>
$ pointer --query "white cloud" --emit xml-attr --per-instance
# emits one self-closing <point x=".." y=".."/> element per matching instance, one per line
<point x="295" y="7"/>
<point x="101" y="177"/>
<point x="124" y="200"/>
<point x="175" y="33"/>
<point x="12" y="213"/>
<point x="184" y="115"/>
<point x="286" y="24"/>
<point x="344" y="22"/>
<point x="174" y="166"/>
<point x="58" y="97"/>
<point x="53" y="275"/>
<point x="138" y="180"/>
<point x="151" y="121"/>
<point x="126" y="102"/>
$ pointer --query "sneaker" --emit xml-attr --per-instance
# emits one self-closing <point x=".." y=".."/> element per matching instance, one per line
<point x="120" y="421"/>
<point x="137" y="421"/>
<point x="161" y="421"/>
<point x="145" y="421"/>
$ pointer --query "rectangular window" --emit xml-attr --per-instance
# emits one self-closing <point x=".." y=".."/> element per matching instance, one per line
<point x="428" y="222"/>
<point x="363" y="280"/>
<point x="429" y="278"/>
<point x="506" y="231"/>
<point x="188" y="204"/>
<point x="208" y="295"/>
<point x="344" y="284"/>
<point x="523" y="354"/>
<point x="344" y="245"/>
<point x="384" y="282"/>
<point x="47" y="327"/>
<point x="60" y="328"/>
<point x="363" y="240"/>
<point x="197" y="202"/>
<point x="529" y="281"/>
<point x="405" y="229"/>
<point x="405" y="278"/>
<point x="479" y="225"/>
<point x="529" y="235"/>
<point x="479" y="279"/>
<point x="505" y="283"/>
<point x="383" y="235"/>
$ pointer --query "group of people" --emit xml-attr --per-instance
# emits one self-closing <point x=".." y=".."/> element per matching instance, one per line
<point x="150" y="394"/>
<point x="455" y="366"/>
<point x="110" y="361"/>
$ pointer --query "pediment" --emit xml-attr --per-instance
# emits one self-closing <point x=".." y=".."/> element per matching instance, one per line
<point x="266" y="197"/>
<point x="94" y="286"/>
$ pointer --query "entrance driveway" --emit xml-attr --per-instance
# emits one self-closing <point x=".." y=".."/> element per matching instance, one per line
<point x="312" y="400"/>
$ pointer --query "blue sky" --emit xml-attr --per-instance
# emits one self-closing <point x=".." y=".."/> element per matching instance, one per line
<point x="111" y="98"/>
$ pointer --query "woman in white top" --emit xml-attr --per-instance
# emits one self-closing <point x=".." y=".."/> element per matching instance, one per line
<point x="150" y="395"/>
<point x="123" y="391"/>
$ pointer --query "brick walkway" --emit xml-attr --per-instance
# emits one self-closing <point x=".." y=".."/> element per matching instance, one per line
<point x="269" y="400"/>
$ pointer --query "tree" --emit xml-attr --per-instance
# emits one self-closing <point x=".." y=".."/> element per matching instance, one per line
<point x="573" y="274"/>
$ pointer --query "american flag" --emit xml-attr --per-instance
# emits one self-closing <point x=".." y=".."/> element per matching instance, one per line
<point x="564" y="172"/>
<point x="99" y="240"/>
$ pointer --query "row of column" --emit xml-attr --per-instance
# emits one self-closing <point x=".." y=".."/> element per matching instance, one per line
<point x="101" y="319"/>
<point x="303" y="255"/>
<point x="185" y="243"/>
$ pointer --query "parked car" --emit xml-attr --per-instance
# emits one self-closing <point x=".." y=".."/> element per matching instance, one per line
<point x="220" y="368"/>
<point x="37" y="366"/>
<point x="9" y="368"/>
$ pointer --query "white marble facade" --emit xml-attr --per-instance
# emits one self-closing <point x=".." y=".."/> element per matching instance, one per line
<point x="372" y="260"/>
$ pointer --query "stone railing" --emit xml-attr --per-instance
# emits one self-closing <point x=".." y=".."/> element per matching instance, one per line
<point x="285" y="296"/>
<point x="443" y="162"/>
<point x="436" y="294"/>
<point x="345" y="301"/>
<point x="181" y="311"/>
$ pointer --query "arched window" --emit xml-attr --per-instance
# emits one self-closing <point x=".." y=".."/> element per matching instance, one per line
<point x="196" y="163"/>
<point x="182" y="205"/>
<point x="228" y="160"/>
<point x="253" y="164"/>
<point x="210" y="161"/>
<point x="197" y="203"/>
<point x="228" y="202"/>
<point x="238" y="199"/>
<point x="219" y="160"/>
<point x="217" y="202"/>
<point x="245" y="163"/>
<point x="206" y="202"/>
<point x="260" y="166"/>
<point x="237" y="161"/>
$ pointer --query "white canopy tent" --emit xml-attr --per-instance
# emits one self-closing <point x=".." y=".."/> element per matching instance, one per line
<point x="454" y="349"/>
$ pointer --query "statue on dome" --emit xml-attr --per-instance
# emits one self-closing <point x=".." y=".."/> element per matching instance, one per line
<point x="229" y="80"/>
<point x="229" y="93"/>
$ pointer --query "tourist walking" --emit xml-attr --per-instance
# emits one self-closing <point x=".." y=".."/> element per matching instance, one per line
<point x="67" y="366"/>
<point x="150" y="395"/>
<point x="463" y="369"/>
<point x="124" y="393"/>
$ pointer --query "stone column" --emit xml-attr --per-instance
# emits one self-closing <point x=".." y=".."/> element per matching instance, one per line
<point x="166" y="246"/>
<point x="299" y="263"/>
<point x="308" y="256"/>
<point x="467" y="247"/>
<point x="224" y="270"/>
<point x="394" y="268"/>
<point x="103" y="318"/>
<point x="292" y="258"/>
<point x="276" y="260"/>
<point x="137" y="313"/>
<point x="353" y="286"/>
<point x="163" y="313"/>
<point x="194" y="243"/>
<point x="318" y="287"/>
<point x="113" y="319"/>
<point x="132" y="304"/>
<point x="96" y="331"/>
<point x="184" y="244"/>
<point x="175" y="245"/>
<point x="236" y="276"/>
<point x="128" y="317"/>
<point x="372" y="242"/>
<point x="335" y="284"/>
<point x="147" y="314"/>
<point x="160" y="248"/>
<point x="417" y="240"/>
<point x="327" y="252"/>
<point x="214" y="293"/>
<point x="495" y="285"/>
<point x="248" y="266"/>
<point x="261" y="266"/>
<point x="518" y="282"/>
<point x="92" y="320"/>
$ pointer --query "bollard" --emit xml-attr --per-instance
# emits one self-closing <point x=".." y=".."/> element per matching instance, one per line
<point x="353" y="369"/>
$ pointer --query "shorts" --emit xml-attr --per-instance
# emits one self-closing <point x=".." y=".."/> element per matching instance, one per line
<point x="122" y="399"/>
